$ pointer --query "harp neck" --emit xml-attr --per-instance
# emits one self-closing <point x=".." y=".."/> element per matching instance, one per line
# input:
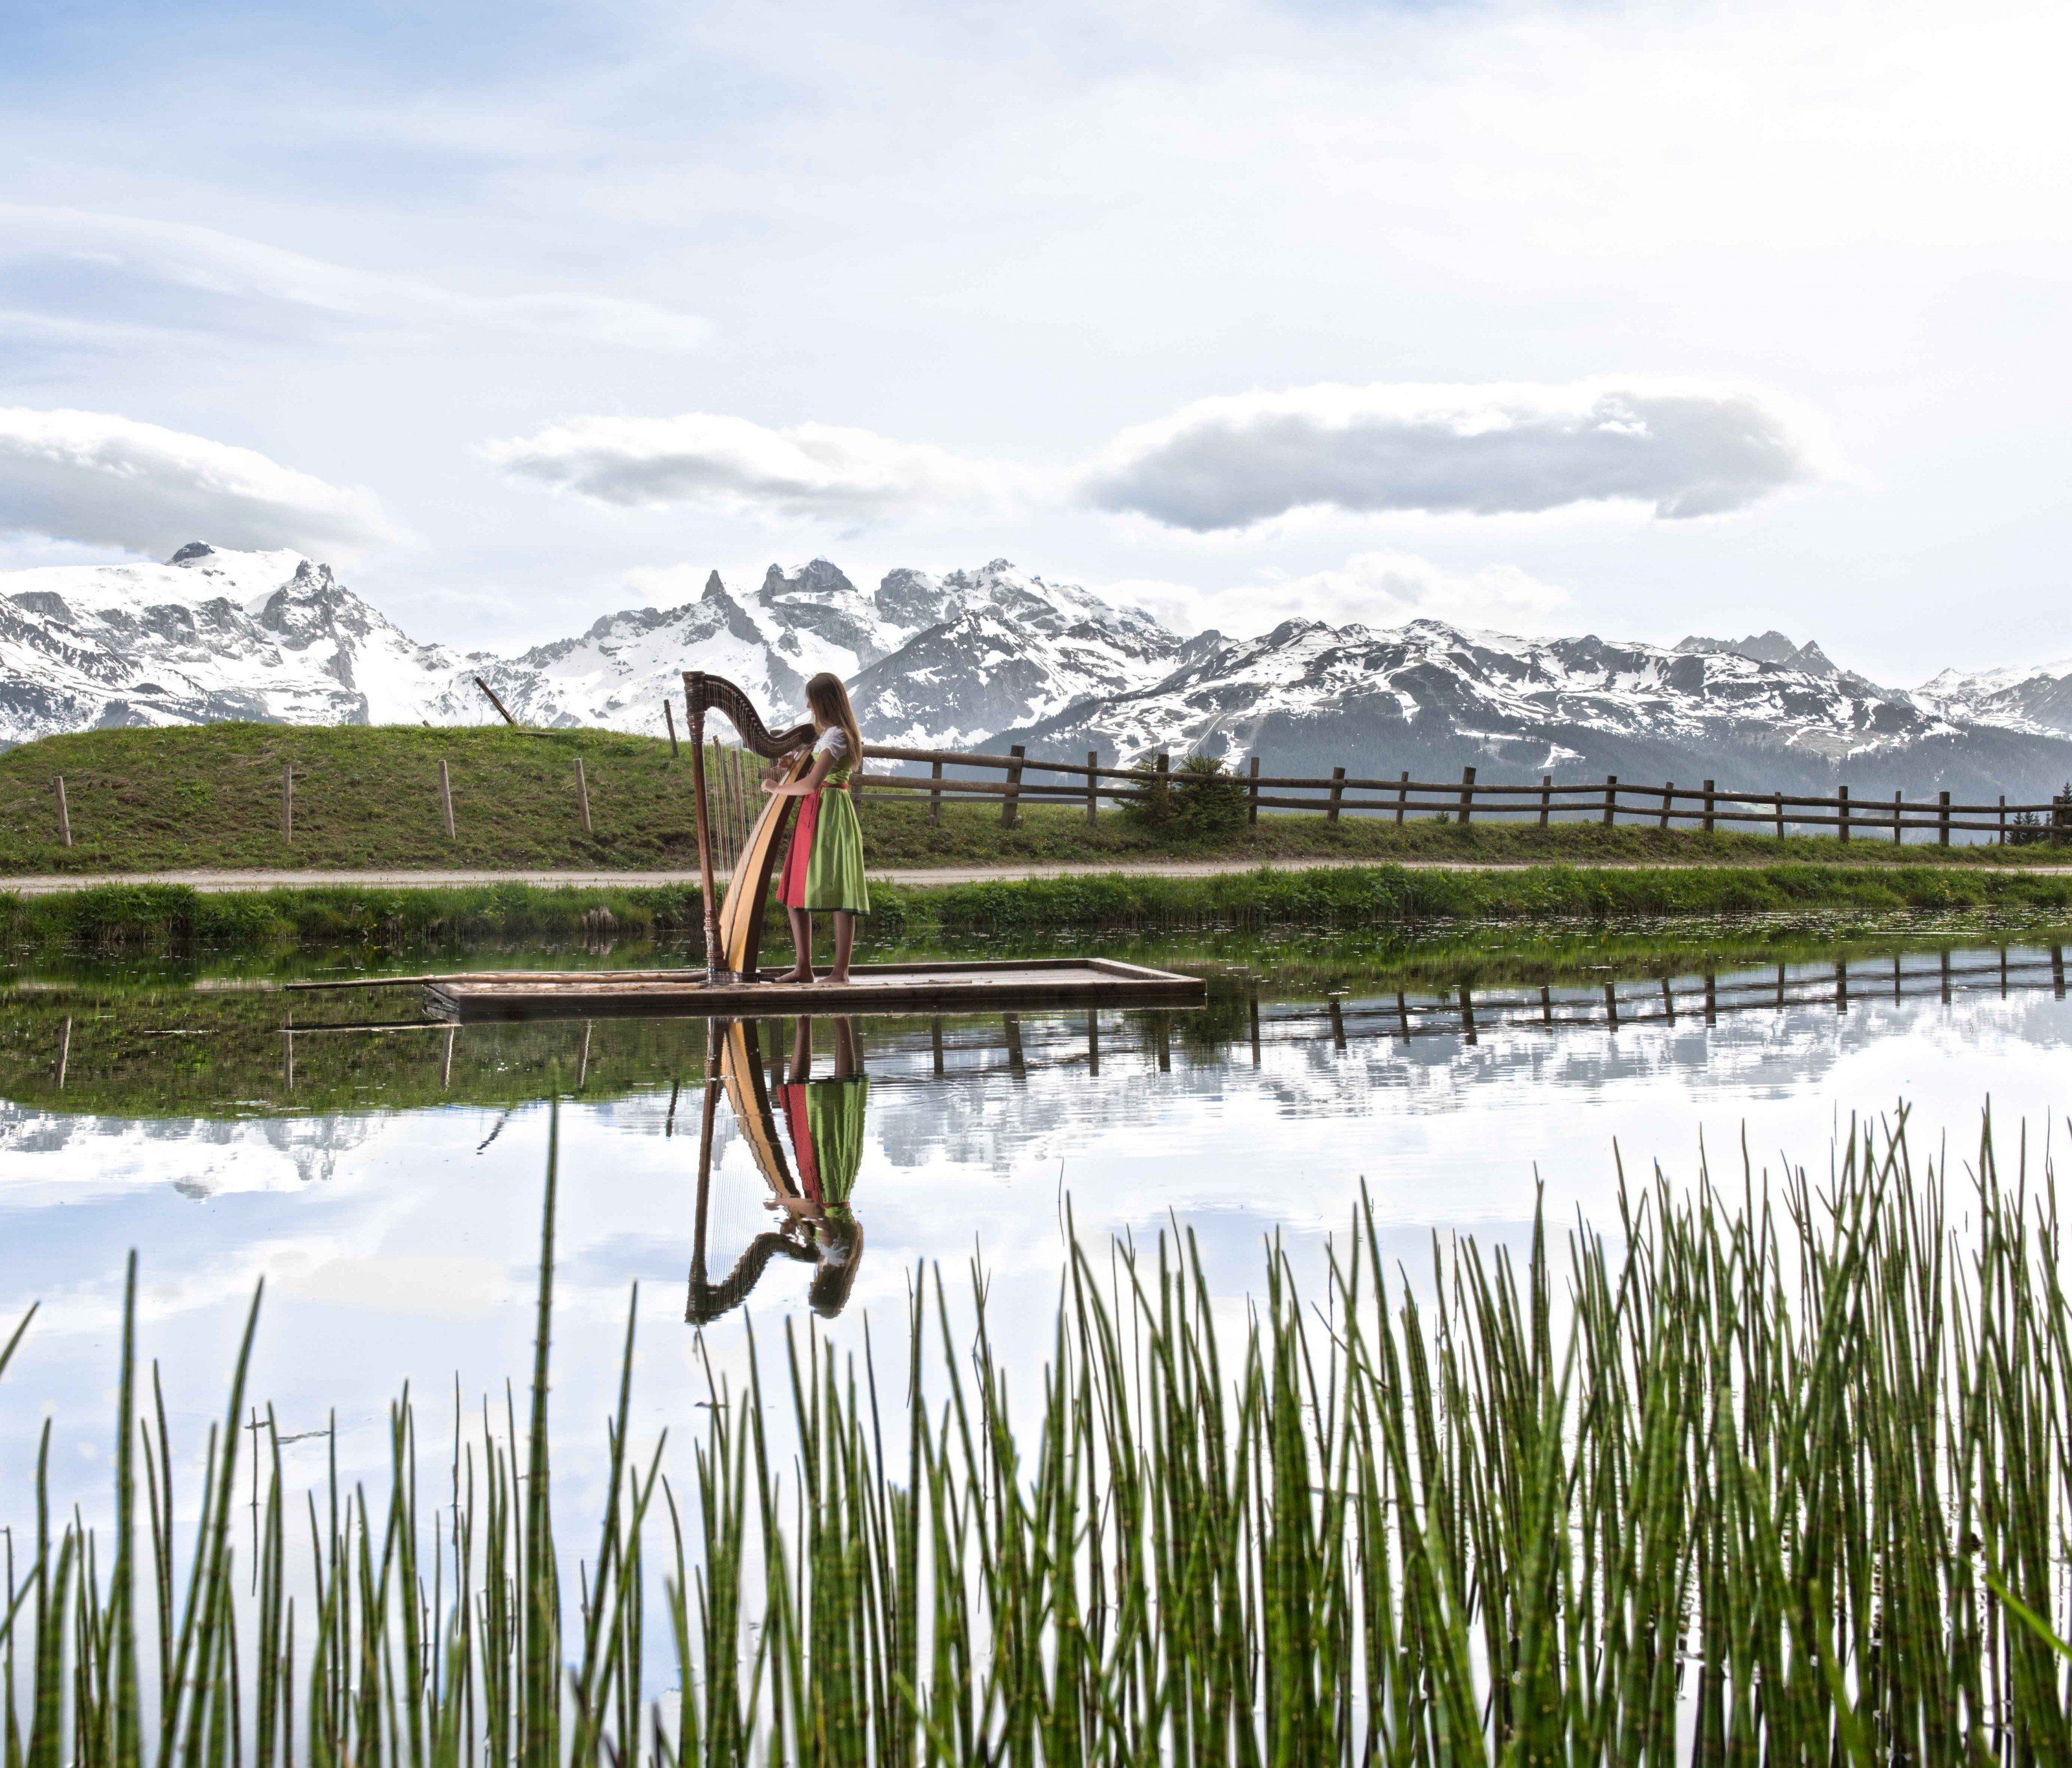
<point x="704" y="693"/>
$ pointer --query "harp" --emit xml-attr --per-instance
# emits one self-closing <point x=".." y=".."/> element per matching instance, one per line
<point x="736" y="823"/>
<point x="734" y="1066"/>
<point x="734" y="1063"/>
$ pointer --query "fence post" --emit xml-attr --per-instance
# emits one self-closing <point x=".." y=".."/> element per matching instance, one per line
<point x="1842" y="798"/>
<point x="1942" y="819"/>
<point x="582" y="796"/>
<point x="1010" y="806"/>
<point x="1251" y="795"/>
<point x="1710" y="807"/>
<point x="2061" y="818"/>
<point x="446" y="797"/>
<point x="502" y="710"/>
<point x="936" y="793"/>
<point x="1668" y="796"/>
<point x="1093" y="784"/>
<point x="2003" y="840"/>
<point x="1161" y="765"/>
<point x="669" y="717"/>
<point x="1467" y="795"/>
<point x="1779" y="797"/>
<point x="64" y="814"/>
<point x="287" y="801"/>
<point x="1546" y="797"/>
<point x="1402" y="796"/>
<point x="1895" y="819"/>
<point x="1338" y="791"/>
<point x="1611" y="797"/>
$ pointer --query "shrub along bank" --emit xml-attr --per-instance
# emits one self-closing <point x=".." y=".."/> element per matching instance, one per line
<point x="166" y="917"/>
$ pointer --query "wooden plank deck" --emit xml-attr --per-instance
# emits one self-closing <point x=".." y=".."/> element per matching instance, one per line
<point x="874" y="988"/>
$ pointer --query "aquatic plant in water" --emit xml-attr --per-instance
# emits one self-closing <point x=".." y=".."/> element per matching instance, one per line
<point x="1753" y="1477"/>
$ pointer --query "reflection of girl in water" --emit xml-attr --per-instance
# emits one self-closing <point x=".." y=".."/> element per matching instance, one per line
<point x="825" y="1119"/>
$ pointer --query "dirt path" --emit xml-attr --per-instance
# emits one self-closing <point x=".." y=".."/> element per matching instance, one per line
<point x="232" y="881"/>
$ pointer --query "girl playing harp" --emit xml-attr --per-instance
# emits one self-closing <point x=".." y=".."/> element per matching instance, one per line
<point x="824" y="867"/>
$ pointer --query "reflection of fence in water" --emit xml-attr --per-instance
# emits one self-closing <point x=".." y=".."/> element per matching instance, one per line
<point x="1019" y="1044"/>
<point x="1019" y="1048"/>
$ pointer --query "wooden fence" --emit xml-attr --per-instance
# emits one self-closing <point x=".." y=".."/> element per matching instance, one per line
<point x="1030" y="779"/>
<point x="1705" y="807"/>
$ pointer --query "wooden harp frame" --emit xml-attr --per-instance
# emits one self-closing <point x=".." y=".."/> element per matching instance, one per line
<point x="734" y="1063"/>
<point x="734" y="924"/>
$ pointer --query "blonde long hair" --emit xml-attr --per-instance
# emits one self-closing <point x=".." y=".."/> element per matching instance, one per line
<point x="827" y="700"/>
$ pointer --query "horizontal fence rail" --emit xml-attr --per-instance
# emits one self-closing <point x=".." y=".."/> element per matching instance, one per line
<point x="1608" y="801"/>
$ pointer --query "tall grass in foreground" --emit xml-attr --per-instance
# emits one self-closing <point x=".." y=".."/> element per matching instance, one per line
<point x="1733" y="1486"/>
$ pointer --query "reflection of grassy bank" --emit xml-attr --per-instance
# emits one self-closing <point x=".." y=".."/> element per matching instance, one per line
<point x="82" y="1036"/>
<point x="162" y="918"/>
<point x="172" y="1053"/>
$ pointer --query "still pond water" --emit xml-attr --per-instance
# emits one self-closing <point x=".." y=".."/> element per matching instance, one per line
<point x="386" y="1183"/>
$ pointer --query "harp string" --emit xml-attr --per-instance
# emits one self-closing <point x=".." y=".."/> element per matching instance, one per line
<point x="734" y="801"/>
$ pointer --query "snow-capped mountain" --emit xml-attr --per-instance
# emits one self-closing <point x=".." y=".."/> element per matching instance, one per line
<point x="769" y="641"/>
<point x="982" y="658"/>
<point x="209" y="634"/>
<point x="1004" y="648"/>
<point x="2038" y="699"/>
<point x="214" y="634"/>
<point x="931" y="659"/>
<point x="1308" y="697"/>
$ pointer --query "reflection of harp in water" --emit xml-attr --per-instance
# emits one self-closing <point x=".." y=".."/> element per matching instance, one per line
<point x="830" y="1238"/>
<point x="736" y="820"/>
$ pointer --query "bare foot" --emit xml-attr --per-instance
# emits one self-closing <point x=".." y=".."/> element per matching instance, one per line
<point x="840" y="978"/>
<point x="798" y="975"/>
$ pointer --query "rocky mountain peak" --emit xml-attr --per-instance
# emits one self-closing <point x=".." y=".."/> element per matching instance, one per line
<point x="912" y="599"/>
<point x="192" y="553"/>
<point x="1772" y="646"/>
<point x="818" y="578"/>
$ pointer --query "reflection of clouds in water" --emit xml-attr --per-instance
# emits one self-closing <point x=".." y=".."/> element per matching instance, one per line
<point x="992" y="1118"/>
<point x="197" y="1156"/>
<point x="412" y="1257"/>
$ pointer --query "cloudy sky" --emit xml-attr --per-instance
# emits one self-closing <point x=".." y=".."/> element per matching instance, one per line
<point x="1638" y="318"/>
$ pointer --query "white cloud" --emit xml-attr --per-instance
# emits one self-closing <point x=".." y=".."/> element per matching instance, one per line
<point x="820" y="470"/>
<point x="1686" y="448"/>
<point x="169" y="256"/>
<point x="101" y="479"/>
<point x="1370" y="589"/>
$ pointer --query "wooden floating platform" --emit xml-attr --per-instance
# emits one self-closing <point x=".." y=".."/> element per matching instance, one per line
<point x="872" y="988"/>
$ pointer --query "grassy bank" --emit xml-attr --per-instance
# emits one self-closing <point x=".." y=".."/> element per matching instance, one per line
<point x="210" y="796"/>
<point x="151" y="918"/>
<point x="1732" y="1479"/>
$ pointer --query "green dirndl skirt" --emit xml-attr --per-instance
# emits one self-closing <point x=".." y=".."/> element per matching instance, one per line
<point x="834" y="868"/>
<point x="834" y="1121"/>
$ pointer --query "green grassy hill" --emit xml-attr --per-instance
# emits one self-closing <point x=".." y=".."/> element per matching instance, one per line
<point x="366" y="797"/>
